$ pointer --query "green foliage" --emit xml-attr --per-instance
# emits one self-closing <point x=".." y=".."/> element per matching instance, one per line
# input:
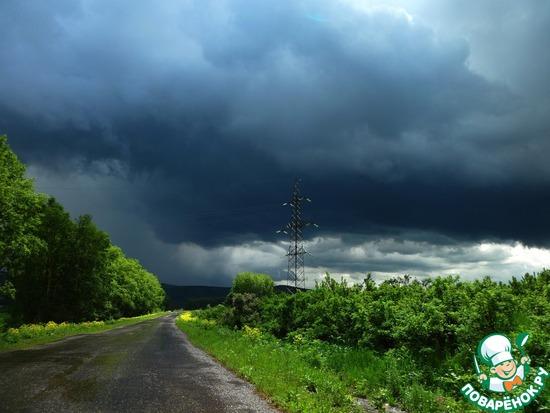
<point x="7" y="290"/>
<point x="245" y="296"/>
<point x="19" y="211"/>
<point x="4" y="319"/>
<point x="28" y="335"/>
<point x="133" y="290"/>
<point x="59" y="269"/>
<point x="278" y="369"/>
<point x="422" y="332"/>
<point x="218" y="313"/>
<point x="307" y="375"/>
<point x="243" y="309"/>
<point x="252" y="283"/>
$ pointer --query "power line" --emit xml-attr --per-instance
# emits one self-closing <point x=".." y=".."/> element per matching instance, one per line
<point x="296" y="276"/>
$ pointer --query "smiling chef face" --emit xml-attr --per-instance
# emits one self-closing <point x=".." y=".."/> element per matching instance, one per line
<point x="505" y="370"/>
<point x="496" y="351"/>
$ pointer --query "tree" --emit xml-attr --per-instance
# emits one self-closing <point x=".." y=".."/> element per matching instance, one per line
<point x="245" y="295"/>
<point x="40" y="294"/>
<point x="133" y="290"/>
<point x="253" y="283"/>
<point x="59" y="269"/>
<point x="19" y="217"/>
<point x="88" y="286"/>
<point x="66" y="279"/>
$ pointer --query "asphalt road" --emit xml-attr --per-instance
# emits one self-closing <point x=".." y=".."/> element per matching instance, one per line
<point x="146" y="367"/>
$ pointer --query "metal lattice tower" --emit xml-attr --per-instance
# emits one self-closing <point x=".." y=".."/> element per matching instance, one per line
<point x="296" y="276"/>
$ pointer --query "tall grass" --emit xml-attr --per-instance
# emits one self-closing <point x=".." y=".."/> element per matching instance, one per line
<point x="304" y="375"/>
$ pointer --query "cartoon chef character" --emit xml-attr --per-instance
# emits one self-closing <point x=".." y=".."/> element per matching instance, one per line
<point x="496" y="351"/>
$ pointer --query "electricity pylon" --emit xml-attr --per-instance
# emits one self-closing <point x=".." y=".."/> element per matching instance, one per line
<point x="296" y="275"/>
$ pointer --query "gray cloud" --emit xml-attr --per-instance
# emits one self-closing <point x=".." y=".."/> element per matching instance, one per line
<point x="426" y="122"/>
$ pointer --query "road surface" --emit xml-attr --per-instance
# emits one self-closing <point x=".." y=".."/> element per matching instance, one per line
<point x="145" y="367"/>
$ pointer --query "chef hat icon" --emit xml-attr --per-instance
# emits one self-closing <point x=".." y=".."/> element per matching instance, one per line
<point x="495" y="349"/>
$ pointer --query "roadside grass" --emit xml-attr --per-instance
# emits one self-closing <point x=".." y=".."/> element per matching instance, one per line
<point x="301" y="375"/>
<point x="276" y="369"/>
<point x="388" y="379"/>
<point x="29" y="335"/>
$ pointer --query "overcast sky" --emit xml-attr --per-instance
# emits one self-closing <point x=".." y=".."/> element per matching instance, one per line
<point x="420" y="129"/>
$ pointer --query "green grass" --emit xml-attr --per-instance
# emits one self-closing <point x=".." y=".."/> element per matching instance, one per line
<point x="277" y="370"/>
<point x="29" y="335"/>
<point x="391" y="378"/>
<point x="300" y="375"/>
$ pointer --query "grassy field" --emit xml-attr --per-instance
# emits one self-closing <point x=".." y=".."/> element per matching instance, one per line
<point x="29" y="335"/>
<point x="302" y="376"/>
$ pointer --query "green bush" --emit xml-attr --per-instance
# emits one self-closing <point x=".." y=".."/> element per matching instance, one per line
<point x="243" y="310"/>
<point x="218" y="313"/>
<point x="252" y="283"/>
<point x="423" y="332"/>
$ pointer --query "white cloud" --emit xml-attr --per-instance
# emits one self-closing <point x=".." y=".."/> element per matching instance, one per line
<point x="384" y="258"/>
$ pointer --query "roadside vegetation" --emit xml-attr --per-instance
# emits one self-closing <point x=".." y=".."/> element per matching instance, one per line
<point x="54" y="268"/>
<point x="278" y="369"/>
<point x="403" y="342"/>
<point x="28" y="335"/>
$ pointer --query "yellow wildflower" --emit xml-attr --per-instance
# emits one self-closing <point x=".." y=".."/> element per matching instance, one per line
<point x="187" y="316"/>
<point x="252" y="332"/>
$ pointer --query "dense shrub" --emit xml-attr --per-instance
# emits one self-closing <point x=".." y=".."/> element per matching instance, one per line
<point x="244" y="299"/>
<point x="435" y="324"/>
<point x="252" y="283"/>
<point x="244" y="309"/>
<point x="436" y="317"/>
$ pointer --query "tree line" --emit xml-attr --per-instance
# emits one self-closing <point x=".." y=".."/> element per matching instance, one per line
<point x="59" y="269"/>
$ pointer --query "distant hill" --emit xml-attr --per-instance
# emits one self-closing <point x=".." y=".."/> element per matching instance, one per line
<point x="198" y="296"/>
<point x="187" y="296"/>
<point x="193" y="296"/>
<point x="288" y="289"/>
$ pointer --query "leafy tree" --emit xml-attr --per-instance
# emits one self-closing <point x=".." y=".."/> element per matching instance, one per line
<point x="244" y="298"/>
<point x="253" y="283"/>
<point x="133" y="290"/>
<point x="244" y="309"/>
<point x="40" y="295"/>
<point x="66" y="279"/>
<point x="19" y="214"/>
<point x="59" y="269"/>
<point x="89" y="285"/>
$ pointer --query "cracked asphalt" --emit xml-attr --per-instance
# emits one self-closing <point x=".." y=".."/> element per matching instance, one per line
<point x="145" y="367"/>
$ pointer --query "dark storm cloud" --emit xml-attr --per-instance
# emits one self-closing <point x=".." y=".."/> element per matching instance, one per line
<point x="213" y="107"/>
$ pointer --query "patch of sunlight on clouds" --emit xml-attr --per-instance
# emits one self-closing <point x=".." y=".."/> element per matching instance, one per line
<point x="387" y="258"/>
<point x="351" y="261"/>
<point x="390" y="7"/>
<point x="528" y="256"/>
